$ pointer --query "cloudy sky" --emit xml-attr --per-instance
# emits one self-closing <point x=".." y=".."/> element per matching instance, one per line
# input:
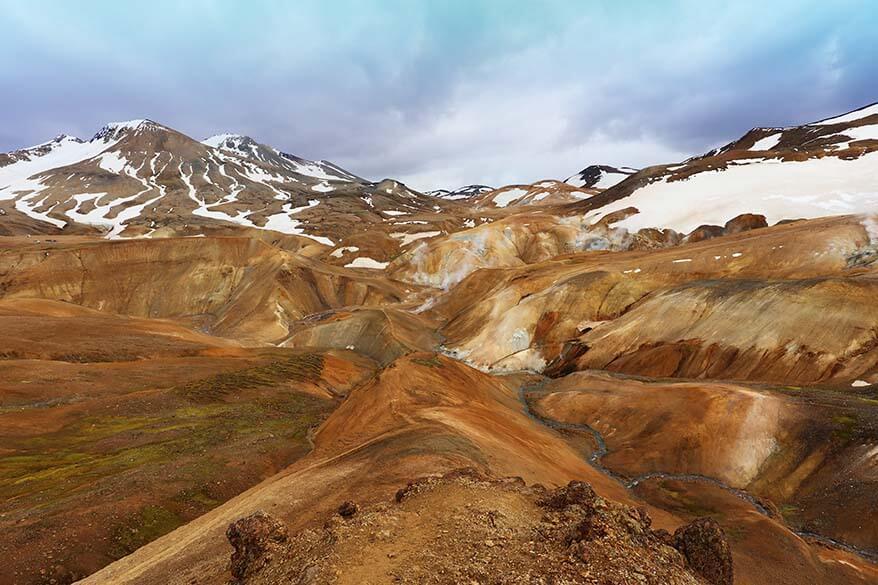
<point x="439" y="93"/>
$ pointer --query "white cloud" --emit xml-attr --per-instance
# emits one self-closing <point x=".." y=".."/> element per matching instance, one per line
<point x="488" y="137"/>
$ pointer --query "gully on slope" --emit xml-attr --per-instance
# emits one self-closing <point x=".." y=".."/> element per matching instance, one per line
<point x="601" y="450"/>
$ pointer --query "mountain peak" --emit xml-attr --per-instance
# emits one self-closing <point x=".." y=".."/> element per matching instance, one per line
<point x="238" y="144"/>
<point x="465" y="192"/>
<point x="115" y="130"/>
<point x="600" y="176"/>
<point x="218" y="140"/>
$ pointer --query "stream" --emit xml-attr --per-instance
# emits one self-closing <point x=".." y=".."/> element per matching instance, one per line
<point x="601" y="450"/>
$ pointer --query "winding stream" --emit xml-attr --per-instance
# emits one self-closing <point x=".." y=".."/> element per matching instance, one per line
<point x="601" y="450"/>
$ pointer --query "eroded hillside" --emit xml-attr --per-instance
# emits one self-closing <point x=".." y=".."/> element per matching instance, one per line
<point x="224" y="363"/>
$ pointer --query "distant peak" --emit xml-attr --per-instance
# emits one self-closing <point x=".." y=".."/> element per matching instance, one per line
<point x="61" y="138"/>
<point x="115" y="130"/>
<point x="219" y="140"/>
<point x="129" y="125"/>
<point x="599" y="176"/>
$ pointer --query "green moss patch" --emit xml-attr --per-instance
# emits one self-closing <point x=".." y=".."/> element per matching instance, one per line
<point x="297" y="368"/>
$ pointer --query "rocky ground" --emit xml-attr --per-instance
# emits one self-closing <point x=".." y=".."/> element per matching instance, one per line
<point x="466" y="528"/>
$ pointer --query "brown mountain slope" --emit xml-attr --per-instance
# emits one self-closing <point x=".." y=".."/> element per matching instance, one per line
<point x="809" y="451"/>
<point x="234" y="287"/>
<point x="115" y="430"/>
<point x="424" y="414"/>
<point x="535" y="315"/>
<point x="428" y="414"/>
<point x="796" y="332"/>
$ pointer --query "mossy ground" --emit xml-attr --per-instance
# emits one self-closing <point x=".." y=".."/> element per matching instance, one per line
<point x="145" y="463"/>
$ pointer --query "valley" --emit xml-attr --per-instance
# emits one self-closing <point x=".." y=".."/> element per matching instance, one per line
<point x="213" y="347"/>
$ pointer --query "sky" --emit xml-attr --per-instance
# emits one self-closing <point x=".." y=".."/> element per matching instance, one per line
<point x="439" y="93"/>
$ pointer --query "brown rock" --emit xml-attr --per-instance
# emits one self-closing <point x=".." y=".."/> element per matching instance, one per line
<point x="348" y="509"/>
<point x="651" y="238"/>
<point x="745" y="222"/>
<point x="616" y="216"/>
<point x="705" y="232"/>
<point x="706" y="549"/>
<point x="575" y="493"/>
<point x="254" y="538"/>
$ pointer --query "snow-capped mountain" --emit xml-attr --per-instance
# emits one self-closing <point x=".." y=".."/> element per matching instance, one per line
<point x="600" y="176"/>
<point x="829" y="167"/>
<point x="466" y="192"/>
<point x="140" y="177"/>
<point x="249" y="148"/>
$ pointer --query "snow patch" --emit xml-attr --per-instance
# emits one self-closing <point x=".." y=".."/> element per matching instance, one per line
<point x="366" y="262"/>
<point x="112" y="161"/>
<point x="504" y="198"/>
<point x="608" y="180"/>
<point x="869" y="132"/>
<point x="779" y="190"/>
<point x="849" y="117"/>
<point x="409" y="238"/>
<point x="323" y="187"/>
<point x="767" y="143"/>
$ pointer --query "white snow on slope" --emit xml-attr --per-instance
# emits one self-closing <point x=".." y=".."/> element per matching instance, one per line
<point x="220" y="139"/>
<point x="111" y="161"/>
<point x="366" y="262"/>
<point x="18" y="177"/>
<point x="768" y="142"/>
<point x="127" y="125"/>
<point x="316" y="170"/>
<point x="311" y="203"/>
<point x="204" y="210"/>
<point x="779" y="190"/>
<point x="506" y="197"/>
<point x="608" y="180"/>
<point x="323" y="187"/>
<point x="869" y="132"/>
<point x="29" y="205"/>
<point x="98" y="216"/>
<point x="850" y="117"/>
<point x="409" y="238"/>
<point x="282" y="222"/>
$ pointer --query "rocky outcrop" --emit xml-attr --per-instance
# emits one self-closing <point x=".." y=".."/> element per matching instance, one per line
<point x="466" y="527"/>
<point x="744" y="223"/>
<point x="705" y="232"/>
<point x="706" y="549"/>
<point x="255" y="538"/>
<point x="738" y="224"/>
